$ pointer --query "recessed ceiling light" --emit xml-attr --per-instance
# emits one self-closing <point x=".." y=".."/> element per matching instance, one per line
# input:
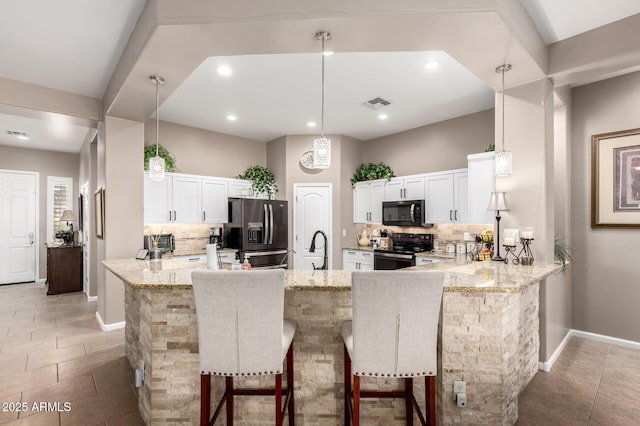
<point x="383" y="116"/>
<point x="431" y="65"/>
<point x="328" y="52"/>
<point x="224" y="70"/>
<point x="311" y="124"/>
<point x="232" y="117"/>
<point x="23" y="137"/>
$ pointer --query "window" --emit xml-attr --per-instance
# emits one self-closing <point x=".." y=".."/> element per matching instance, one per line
<point x="59" y="199"/>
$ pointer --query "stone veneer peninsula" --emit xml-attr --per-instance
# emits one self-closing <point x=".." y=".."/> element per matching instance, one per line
<point x="488" y="337"/>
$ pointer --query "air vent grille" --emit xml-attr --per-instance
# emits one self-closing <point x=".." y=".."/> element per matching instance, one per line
<point x="14" y="133"/>
<point x="377" y="103"/>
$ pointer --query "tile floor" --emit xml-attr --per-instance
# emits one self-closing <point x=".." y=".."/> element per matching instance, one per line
<point x="52" y="350"/>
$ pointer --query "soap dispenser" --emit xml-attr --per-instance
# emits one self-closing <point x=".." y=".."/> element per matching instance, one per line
<point x="235" y="266"/>
<point x="246" y="265"/>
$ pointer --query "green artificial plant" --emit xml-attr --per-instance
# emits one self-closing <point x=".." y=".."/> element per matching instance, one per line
<point x="262" y="180"/>
<point x="490" y="148"/>
<point x="372" y="171"/>
<point x="169" y="159"/>
<point x="561" y="252"/>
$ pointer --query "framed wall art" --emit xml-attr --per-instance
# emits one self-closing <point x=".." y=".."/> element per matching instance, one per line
<point x="615" y="179"/>
<point x="99" y="212"/>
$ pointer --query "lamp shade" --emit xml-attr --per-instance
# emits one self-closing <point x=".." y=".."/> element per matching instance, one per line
<point x="321" y="153"/>
<point x="156" y="168"/>
<point x="67" y="216"/>
<point x="498" y="202"/>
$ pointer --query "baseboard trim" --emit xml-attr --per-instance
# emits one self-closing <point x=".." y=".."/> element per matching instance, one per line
<point x="91" y="298"/>
<point x="606" y="339"/>
<point x="546" y="365"/>
<point x="109" y="327"/>
<point x="41" y="280"/>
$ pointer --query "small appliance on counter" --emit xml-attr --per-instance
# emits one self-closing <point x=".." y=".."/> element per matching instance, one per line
<point x="215" y="237"/>
<point x="166" y="243"/>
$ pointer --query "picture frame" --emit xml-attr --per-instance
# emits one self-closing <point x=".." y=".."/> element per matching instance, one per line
<point x="99" y="212"/>
<point x="615" y="179"/>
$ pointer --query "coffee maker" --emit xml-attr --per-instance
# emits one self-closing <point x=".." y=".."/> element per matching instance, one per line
<point x="215" y="237"/>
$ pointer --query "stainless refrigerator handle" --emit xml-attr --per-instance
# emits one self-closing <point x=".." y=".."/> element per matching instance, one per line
<point x="270" y="224"/>
<point x="266" y="225"/>
<point x="455" y="215"/>
<point x="413" y="212"/>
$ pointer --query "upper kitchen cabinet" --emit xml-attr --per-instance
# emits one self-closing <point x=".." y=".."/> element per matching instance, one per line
<point x="482" y="182"/>
<point x="405" y="188"/>
<point x="240" y="188"/>
<point x="185" y="199"/>
<point x="446" y="197"/>
<point x="158" y="201"/>
<point x="214" y="201"/>
<point x="367" y="201"/>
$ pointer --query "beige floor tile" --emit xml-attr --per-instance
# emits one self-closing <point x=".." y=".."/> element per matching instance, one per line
<point x="614" y="411"/>
<point x="84" y="365"/>
<point x="11" y="363"/>
<point x="113" y="375"/>
<point x="102" y="407"/>
<point x="27" y="380"/>
<point x="29" y="348"/>
<point x="9" y="340"/>
<point x="43" y="418"/>
<point x="52" y="357"/>
<point x="131" y="419"/>
<point x="62" y="392"/>
<point x="11" y="412"/>
<point x="90" y="339"/>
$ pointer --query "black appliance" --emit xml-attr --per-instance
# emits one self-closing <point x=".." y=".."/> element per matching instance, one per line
<point x="404" y="213"/>
<point x="258" y="229"/>
<point x="403" y="253"/>
<point x="216" y="237"/>
<point x="166" y="243"/>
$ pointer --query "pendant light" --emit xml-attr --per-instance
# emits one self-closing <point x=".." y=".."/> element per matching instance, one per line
<point x="156" y="164"/>
<point x="503" y="158"/>
<point x="322" y="144"/>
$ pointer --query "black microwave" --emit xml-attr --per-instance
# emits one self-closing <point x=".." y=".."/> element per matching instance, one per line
<point x="403" y="213"/>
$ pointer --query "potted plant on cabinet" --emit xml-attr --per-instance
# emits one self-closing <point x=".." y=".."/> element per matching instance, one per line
<point x="262" y="180"/>
<point x="162" y="152"/>
<point x="371" y="171"/>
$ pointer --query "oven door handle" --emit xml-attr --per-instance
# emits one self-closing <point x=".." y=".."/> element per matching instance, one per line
<point x="395" y="256"/>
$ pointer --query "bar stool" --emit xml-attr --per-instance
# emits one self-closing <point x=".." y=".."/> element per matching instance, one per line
<point x="394" y="333"/>
<point x="241" y="332"/>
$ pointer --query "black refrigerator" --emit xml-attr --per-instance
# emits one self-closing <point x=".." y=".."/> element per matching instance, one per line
<point x="258" y="229"/>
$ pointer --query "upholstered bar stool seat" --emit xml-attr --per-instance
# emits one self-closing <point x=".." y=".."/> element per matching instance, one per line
<point x="241" y="332"/>
<point x="393" y="334"/>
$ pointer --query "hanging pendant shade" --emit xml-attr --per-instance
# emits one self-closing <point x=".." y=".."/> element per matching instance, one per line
<point x="322" y="144"/>
<point x="503" y="158"/>
<point x="156" y="164"/>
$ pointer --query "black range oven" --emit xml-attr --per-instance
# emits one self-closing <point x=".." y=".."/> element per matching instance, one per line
<point x="403" y="253"/>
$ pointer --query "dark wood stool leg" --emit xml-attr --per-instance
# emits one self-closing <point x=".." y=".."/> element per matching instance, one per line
<point x="347" y="387"/>
<point x="356" y="400"/>
<point x="291" y="407"/>
<point x="408" y="400"/>
<point x="430" y="389"/>
<point x="278" y="399"/>
<point x="229" y="401"/>
<point x="205" y="399"/>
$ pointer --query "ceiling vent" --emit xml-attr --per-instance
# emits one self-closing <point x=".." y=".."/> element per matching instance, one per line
<point x="377" y="103"/>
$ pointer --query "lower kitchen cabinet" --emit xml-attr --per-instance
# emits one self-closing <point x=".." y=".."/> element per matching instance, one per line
<point x="64" y="269"/>
<point x="357" y="260"/>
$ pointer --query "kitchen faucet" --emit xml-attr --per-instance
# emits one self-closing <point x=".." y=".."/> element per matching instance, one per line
<point x="312" y="249"/>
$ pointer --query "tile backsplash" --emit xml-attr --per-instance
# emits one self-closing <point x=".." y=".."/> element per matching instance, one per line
<point x="442" y="232"/>
<point x="190" y="238"/>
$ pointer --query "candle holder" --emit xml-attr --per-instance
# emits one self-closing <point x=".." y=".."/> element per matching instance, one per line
<point x="510" y="250"/>
<point x="525" y="255"/>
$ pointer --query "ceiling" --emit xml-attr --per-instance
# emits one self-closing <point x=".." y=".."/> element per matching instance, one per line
<point x="64" y="47"/>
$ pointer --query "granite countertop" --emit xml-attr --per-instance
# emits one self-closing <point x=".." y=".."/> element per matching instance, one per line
<point x="474" y="277"/>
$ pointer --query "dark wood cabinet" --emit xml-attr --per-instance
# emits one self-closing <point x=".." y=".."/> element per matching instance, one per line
<point x="64" y="269"/>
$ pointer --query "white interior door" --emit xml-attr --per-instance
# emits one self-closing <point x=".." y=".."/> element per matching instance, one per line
<point x="17" y="227"/>
<point x="311" y="213"/>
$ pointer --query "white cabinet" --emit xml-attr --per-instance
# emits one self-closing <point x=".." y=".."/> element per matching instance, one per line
<point x="357" y="260"/>
<point x="158" y="202"/>
<point x="482" y="182"/>
<point x="446" y="197"/>
<point x="367" y="201"/>
<point x="185" y="199"/>
<point x="405" y="188"/>
<point x="240" y="188"/>
<point x="214" y="201"/>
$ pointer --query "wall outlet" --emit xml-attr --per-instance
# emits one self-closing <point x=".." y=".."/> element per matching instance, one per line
<point x="459" y="387"/>
<point x="344" y="232"/>
<point x="139" y="377"/>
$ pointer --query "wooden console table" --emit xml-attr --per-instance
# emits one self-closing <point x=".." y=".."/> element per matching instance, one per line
<point x="64" y="268"/>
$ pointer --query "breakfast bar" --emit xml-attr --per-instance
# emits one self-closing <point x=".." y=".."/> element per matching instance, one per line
<point x="488" y="337"/>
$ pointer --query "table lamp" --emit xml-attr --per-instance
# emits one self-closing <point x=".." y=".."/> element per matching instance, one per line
<point x="67" y="215"/>
<point x="498" y="202"/>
